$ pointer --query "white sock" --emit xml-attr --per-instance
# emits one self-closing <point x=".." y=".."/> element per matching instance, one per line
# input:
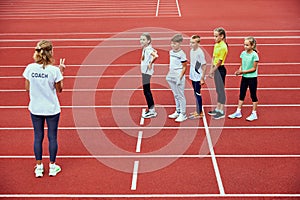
<point x="238" y="110"/>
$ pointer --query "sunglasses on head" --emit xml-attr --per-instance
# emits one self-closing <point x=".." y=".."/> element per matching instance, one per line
<point x="38" y="50"/>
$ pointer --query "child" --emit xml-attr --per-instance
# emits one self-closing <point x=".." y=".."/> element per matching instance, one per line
<point x="176" y="77"/>
<point x="197" y="74"/>
<point x="219" y="57"/>
<point x="248" y="69"/>
<point x="43" y="81"/>
<point x="149" y="55"/>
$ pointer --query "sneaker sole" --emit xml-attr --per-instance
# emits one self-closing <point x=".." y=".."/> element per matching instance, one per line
<point x="173" y="117"/>
<point x="39" y="176"/>
<point x="150" y="116"/>
<point x="212" y="114"/>
<point x="219" y="117"/>
<point x="54" y="174"/>
<point x="180" y="120"/>
<point x="235" y="117"/>
<point x="251" y="120"/>
<point x="193" y="117"/>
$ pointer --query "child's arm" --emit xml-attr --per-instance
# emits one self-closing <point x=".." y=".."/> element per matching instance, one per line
<point x="253" y="69"/>
<point x="202" y="81"/>
<point x="184" y="66"/>
<point x="154" y="56"/>
<point x="214" y="68"/>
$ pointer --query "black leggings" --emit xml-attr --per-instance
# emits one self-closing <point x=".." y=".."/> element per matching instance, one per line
<point x="219" y="78"/>
<point x="197" y="93"/>
<point x="252" y="84"/>
<point x="147" y="90"/>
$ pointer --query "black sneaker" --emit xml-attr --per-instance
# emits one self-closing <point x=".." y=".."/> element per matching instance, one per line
<point x="219" y="115"/>
<point x="212" y="113"/>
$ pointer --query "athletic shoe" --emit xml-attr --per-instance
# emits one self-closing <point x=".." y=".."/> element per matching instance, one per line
<point x="219" y="115"/>
<point x="39" y="169"/>
<point x="149" y="114"/>
<point x="181" y="118"/>
<point x="212" y="112"/>
<point x="54" y="169"/>
<point x="195" y="115"/>
<point x="252" y="117"/>
<point x="174" y="115"/>
<point x="235" y="115"/>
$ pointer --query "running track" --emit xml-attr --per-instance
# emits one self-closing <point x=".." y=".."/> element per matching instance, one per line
<point x="105" y="149"/>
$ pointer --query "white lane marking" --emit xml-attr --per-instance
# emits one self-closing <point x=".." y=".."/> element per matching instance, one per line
<point x="139" y="142"/>
<point x="142" y="119"/>
<point x="135" y="175"/>
<point x="213" y="157"/>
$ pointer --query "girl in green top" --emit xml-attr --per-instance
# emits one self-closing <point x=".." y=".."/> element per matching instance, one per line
<point x="248" y="69"/>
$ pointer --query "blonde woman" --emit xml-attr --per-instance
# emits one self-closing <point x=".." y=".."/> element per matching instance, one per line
<point x="43" y="80"/>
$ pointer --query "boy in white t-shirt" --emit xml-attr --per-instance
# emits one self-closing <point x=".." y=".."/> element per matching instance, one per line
<point x="197" y="74"/>
<point x="176" y="77"/>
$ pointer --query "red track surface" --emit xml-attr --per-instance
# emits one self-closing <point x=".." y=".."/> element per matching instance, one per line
<point x="257" y="160"/>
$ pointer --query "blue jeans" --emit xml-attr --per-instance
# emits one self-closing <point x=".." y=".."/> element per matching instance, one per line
<point x="38" y="122"/>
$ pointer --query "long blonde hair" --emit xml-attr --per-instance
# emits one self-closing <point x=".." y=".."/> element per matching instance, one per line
<point x="43" y="53"/>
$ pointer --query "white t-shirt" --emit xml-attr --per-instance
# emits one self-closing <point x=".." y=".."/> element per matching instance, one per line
<point x="176" y="59"/>
<point x="146" y="59"/>
<point x="42" y="92"/>
<point x="197" y="59"/>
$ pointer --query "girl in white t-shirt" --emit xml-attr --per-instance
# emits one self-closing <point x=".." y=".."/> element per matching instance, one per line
<point x="43" y="81"/>
<point x="197" y="74"/>
<point x="149" y="55"/>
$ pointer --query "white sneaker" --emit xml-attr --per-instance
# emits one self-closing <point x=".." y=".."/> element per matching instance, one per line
<point x="252" y="117"/>
<point x="174" y="115"/>
<point x="235" y="115"/>
<point x="181" y="118"/>
<point x="39" y="169"/>
<point x="54" y="169"/>
<point x="149" y="114"/>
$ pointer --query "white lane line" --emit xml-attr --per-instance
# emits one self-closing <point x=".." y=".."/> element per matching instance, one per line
<point x="178" y="9"/>
<point x="154" y="127"/>
<point x="139" y="142"/>
<point x="134" y="32"/>
<point x="158" y="106"/>
<point x="157" y="8"/>
<point x="133" y="46"/>
<point x="142" y="119"/>
<point x="153" y="156"/>
<point x="135" y="175"/>
<point x="213" y="157"/>
<point x="154" y="76"/>
<point x="157" y="65"/>
<point x="194" y="195"/>
<point x="98" y="39"/>
<point x="155" y="89"/>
